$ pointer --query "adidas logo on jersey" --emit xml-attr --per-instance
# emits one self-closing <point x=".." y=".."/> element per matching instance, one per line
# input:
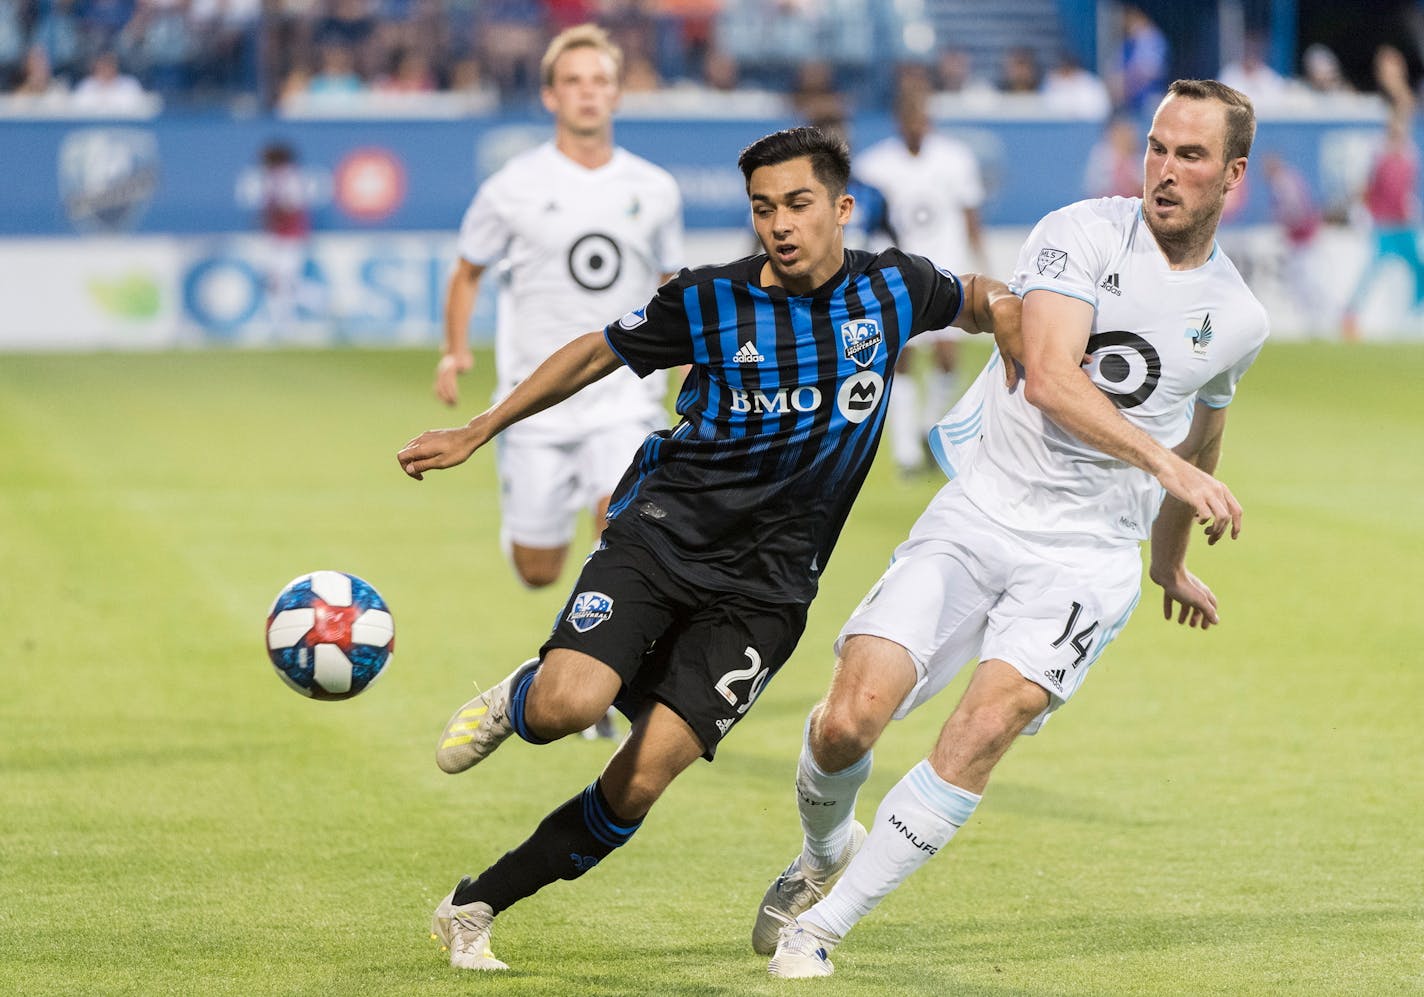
<point x="725" y="725"/>
<point x="747" y="354"/>
<point x="1110" y="283"/>
<point x="1055" y="675"/>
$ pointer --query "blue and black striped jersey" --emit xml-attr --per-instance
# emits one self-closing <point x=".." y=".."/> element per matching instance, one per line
<point x="781" y="414"/>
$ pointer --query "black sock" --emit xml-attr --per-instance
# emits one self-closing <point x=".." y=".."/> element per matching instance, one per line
<point x="565" y="845"/>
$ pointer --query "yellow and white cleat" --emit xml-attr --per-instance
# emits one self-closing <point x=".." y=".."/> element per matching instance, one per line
<point x="464" y="931"/>
<point x="480" y="726"/>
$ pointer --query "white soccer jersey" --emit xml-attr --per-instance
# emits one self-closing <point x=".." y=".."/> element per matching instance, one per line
<point x="927" y="195"/>
<point x="1161" y="341"/>
<point x="576" y="248"/>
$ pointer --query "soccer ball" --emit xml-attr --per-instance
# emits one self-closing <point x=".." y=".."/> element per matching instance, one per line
<point x="329" y="634"/>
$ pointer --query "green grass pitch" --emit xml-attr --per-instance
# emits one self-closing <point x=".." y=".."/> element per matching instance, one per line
<point x="1237" y="812"/>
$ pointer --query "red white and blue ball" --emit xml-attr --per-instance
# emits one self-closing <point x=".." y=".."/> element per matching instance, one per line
<point x="329" y="635"/>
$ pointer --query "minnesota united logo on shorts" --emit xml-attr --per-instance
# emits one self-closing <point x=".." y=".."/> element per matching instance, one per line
<point x="862" y="340"/>
<point x="590" y="609"/>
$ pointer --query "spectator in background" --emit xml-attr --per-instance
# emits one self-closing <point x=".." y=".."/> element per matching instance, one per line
<point x="37" y="84"/>
<point x="720" y="71"/>
<point x="510" y="39"/>
<point x="336" y="74"/>
<point x="640" y="75"/>
<point x="158" y="43"/>
<point x="1070" y="91"/>
<point x="59" y="32"/>
<point x="1115" y="162"/>
<point x="1253" y="76"/>
<point x="12" y="41"/>
<point x="410" y="74"/>
<point x="1019" y="71"/>
<point x="814" y="93"/>
<point x="1322" y="71"/>
<point x="1142" y="76"/>
<point x="1297" y="213"/>
<point x="107" y="91"/>
<point x="1391" y="194"/>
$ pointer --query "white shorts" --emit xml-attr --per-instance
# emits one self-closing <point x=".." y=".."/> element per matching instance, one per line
<point x="963" y="587"/>
<point x="543" y="485"/>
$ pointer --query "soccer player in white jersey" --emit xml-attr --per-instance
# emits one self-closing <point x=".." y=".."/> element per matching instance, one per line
<point x="933" y="188"/>
<point x="1028" y="559"/>
<point x="581" y="229"/>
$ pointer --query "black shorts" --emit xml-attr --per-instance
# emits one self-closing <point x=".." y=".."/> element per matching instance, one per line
<point x="706" y="655"/>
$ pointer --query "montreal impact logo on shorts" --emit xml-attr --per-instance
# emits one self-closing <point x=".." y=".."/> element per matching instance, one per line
<point x="590" y="609"/>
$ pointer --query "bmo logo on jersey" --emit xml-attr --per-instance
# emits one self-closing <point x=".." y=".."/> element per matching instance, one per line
<point x="859" y="395"/>
<point x="806" y="398"/>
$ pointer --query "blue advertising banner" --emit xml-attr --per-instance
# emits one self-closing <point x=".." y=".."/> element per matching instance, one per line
<point x="185" y="176"/>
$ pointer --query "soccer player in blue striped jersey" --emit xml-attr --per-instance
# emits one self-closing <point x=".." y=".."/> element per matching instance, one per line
<point x="720" y="529"/>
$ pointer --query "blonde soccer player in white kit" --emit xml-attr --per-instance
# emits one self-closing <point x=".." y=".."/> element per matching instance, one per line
<point x="1028" y="559"/>
<point x="579" y="230"/>
<point x="933" y="188"/>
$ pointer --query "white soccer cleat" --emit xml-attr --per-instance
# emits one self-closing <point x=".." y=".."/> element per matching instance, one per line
<point x="465" y="931"/>
<point x="801" y="950"/>
<point x="480" y="726"/>
<point x="606" y="727"/>
<point x="795" y="891"/>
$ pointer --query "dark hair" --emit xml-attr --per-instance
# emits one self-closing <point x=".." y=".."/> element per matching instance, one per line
<point x="1240" y="115"/>
<point x="829" y="155"/>
<point x="278" y="154"/>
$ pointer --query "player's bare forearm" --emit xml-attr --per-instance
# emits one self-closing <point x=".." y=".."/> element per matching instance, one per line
<point x="579" y="363"/>
<point x="989" y="306"/>
<point x="460" y="295"/>
<point x="456" y="357"/>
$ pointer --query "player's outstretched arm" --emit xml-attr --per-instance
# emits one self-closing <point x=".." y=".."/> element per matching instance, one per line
<point x="1182" y="592"/>
<point x="456" y="359"/>
<point x="580" y="363"/>
<point x="1055" y="338"/>
<point x="989" y="306"/>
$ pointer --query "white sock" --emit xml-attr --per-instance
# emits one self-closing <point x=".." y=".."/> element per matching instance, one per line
<point x="826" y="801"/>
<point x="916" y="819"/>
<point x="940" y="393"/>
<point x="906" y="441"/>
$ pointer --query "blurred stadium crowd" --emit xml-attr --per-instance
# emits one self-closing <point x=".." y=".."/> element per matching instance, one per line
<point x="114" y="56"/>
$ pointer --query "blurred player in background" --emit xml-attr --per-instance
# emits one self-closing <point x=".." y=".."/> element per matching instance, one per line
<point x="719" y="531"/>
<point x="582" y="230"/>
<point x="1392" y="193"/>
<point x="933" y="188"/>
<point x="869" y="222"/>
<point x="1028" y="559"/>
<point x="1297" y="213"/>
<point x="285" y="205"/>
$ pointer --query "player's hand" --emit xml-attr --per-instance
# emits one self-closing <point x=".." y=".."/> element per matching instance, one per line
<point x="447" y="373"/>
<point x="1186" y="595"/>
<point x="1008" y="337"/>
<point x="1209" y="499"/>
<point x="436" y="449"/>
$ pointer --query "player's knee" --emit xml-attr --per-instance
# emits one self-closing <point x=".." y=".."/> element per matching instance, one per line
<point x="632" y="797"/>
<point x="536" y="576"/>
<point x="553" y="713"/>
<point x="841" y="736"/>
<point x="992" y="723"/>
